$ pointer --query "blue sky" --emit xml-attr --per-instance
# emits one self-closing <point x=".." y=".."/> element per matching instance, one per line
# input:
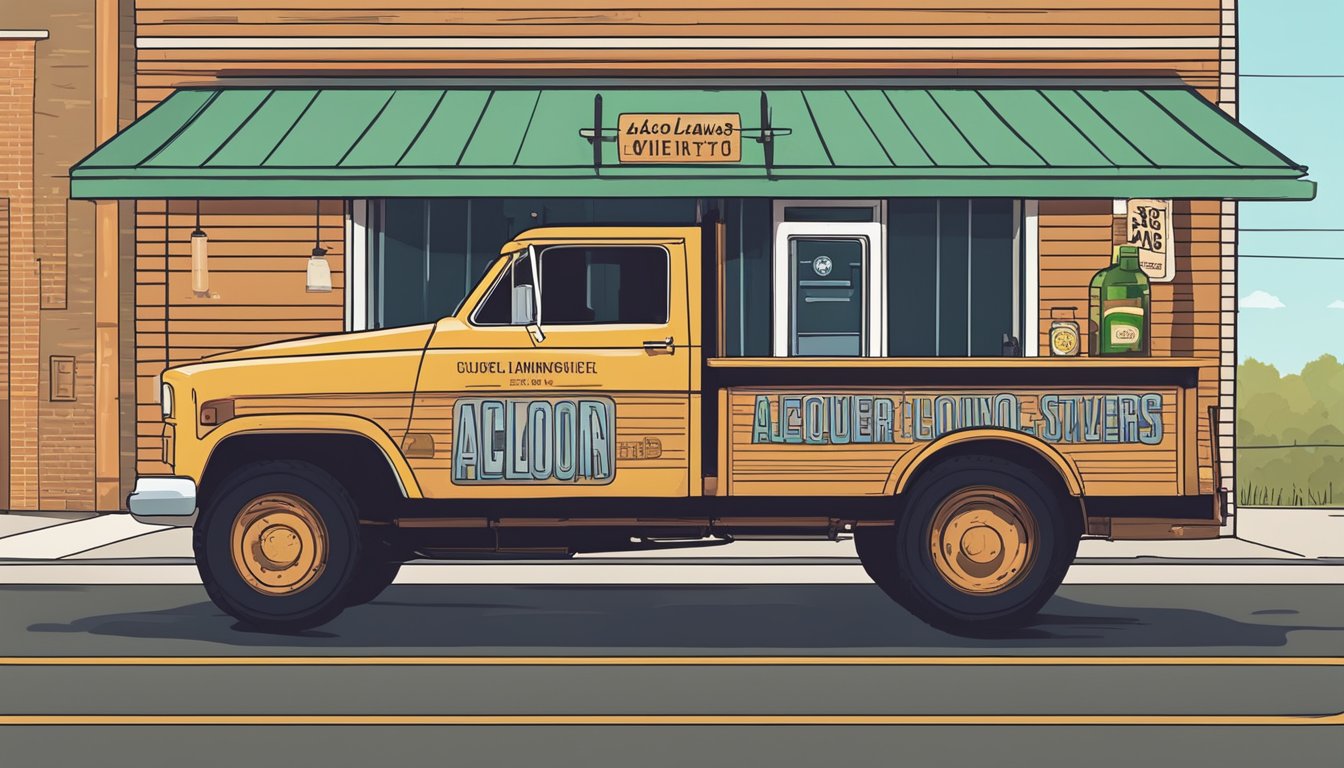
<point x="1285" y="316"/>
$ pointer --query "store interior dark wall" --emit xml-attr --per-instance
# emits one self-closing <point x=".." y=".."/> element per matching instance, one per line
<point x="950" y="262"/>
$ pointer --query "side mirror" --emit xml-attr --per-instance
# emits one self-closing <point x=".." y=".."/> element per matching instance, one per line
<point x="524" y="308"/>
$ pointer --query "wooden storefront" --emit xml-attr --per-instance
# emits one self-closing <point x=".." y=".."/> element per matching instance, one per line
<point x="259" y="248"/>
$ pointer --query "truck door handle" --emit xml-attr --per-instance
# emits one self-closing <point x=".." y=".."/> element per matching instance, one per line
<point x="663" y="347"/>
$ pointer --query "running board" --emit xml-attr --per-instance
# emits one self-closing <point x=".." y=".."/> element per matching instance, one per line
<point x="635" y="544"/>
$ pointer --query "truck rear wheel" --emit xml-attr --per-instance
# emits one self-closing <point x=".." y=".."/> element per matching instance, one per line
<point x="277" y="546"/>
<point x="980" y="545"/>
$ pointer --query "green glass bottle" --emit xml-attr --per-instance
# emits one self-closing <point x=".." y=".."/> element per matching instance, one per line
<point x="1118" y="320"/>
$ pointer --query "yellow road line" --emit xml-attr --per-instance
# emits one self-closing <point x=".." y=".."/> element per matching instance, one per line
<point x="712" y="661"/>
<point x="478" y="720"/>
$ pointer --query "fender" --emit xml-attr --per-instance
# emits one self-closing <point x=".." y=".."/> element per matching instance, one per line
<point x="192" y="462"/>
<point x="911" y="461"/>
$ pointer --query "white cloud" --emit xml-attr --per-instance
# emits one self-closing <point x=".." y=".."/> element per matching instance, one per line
<point x="1336" y="304"/>
<point x="1261" y="300"/>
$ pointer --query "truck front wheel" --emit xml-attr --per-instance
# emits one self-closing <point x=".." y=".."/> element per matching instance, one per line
<point x="371" y="577"/>
<point x="981" y="543"/>
<point x="277" y="546"/>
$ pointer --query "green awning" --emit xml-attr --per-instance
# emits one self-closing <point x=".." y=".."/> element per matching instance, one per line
<point x="351" y="142"/>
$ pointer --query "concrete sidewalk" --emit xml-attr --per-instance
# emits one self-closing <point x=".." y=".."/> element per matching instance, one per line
<point x="1265" y="537"/>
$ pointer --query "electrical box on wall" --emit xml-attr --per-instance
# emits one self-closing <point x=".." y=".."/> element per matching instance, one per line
<point x="62" y="378"/>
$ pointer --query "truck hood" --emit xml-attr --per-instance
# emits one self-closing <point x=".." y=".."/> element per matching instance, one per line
<point x="410" y="338"/>
<point x="374" y="371"/>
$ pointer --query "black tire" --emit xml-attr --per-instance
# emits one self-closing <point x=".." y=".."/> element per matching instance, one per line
<point x="874" y="545"/>
<point x="371" y="577"/>
<point x="322" y="597"/>
<point x="903" y="556"/>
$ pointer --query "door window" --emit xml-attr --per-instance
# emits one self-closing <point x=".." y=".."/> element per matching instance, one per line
<point x="609" y="284"/>
<point x="829" y="284"/>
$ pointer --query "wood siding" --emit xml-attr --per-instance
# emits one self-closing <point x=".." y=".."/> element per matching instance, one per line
<point x="1048" y="37"/>
<point x="258" y="248"/>
<point x="854" y="469"/>
<point x="258" y="261"/>
<point x="1187" y="313"/>
<point x="930" y="18"/>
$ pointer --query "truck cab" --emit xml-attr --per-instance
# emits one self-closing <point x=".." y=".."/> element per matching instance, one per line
<point x="579" y="400"/>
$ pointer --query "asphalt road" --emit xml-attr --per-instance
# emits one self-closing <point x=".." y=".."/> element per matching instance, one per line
<point x="677" y="676"/>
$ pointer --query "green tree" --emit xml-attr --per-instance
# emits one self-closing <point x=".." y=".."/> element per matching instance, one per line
<point x="1290" y="434"/>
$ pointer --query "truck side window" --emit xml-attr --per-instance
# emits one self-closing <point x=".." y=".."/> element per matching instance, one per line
<point x="497" y="309"/>
<point x="604" y="284"/>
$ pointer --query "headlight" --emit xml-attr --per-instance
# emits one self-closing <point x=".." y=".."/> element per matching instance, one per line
<point x="166" y="399"/>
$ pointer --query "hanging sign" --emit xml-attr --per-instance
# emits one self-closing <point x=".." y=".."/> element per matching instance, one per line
<point x="679" y="138"/>
<point x="1150" y="229"/>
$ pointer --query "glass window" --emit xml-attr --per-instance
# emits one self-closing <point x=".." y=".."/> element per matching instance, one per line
<point x="507" y="303"/>
<point x="425" y="255"/>
<point x="994" y="283"/>
<point x="400" y="270"/>
<point x="912" y="265"/>
<point x="617" y="284"/>
<point x="953" y="274"/>
<point x="746" y="275"/>
<point x="952" y="278"/>
<point x="952" y="265"/>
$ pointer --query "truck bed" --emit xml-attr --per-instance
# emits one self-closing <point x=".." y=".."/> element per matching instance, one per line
<point x="1126" y="427"/>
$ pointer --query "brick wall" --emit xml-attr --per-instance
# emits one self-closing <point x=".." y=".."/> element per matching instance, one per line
<point x="17" y="58"/>
<point x="64" y="244"/>
<point x="4" y="351"/>
<point x="126" y="260"/>
<point x="46" y="125"/>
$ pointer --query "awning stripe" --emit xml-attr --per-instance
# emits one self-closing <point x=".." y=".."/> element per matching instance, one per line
<point x="130" y="147"/>
<point x="1094" y="126"/>
<point x="213" y="152"/>
<point x="197" y="135"/>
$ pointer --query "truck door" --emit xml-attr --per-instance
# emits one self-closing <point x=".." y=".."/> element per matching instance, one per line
<point x="592" y="400"/>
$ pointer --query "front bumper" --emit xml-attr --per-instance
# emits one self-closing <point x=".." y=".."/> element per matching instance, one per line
<point x="164" y="500"/>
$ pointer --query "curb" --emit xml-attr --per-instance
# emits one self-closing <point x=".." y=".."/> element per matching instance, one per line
<point x="660" y="575"/>
<point x="1148" y="560"/>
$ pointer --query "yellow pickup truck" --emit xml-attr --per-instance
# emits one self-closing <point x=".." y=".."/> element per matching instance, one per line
<point x="576" y="402"/>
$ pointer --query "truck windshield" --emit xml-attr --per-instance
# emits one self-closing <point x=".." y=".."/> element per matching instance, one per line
<point x="485" y="276"/>
<point x="498" y="307"/>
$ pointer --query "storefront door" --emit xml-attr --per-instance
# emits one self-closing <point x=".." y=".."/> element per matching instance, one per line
<point x="828" y="279"/>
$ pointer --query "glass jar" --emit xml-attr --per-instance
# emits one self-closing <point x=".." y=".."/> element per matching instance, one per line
<point x="1065" y="333"/>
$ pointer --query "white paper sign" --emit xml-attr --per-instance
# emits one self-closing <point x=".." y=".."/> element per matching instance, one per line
<point x="1149" y="228"/>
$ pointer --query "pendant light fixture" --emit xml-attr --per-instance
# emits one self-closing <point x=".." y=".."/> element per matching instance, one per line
<point x="319" y="271"/>
<point x="200" y="266"/>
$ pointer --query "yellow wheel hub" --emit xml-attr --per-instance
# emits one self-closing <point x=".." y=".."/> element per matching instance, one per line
<point x="983" y="540"/>
<point x="279" y="544"/>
